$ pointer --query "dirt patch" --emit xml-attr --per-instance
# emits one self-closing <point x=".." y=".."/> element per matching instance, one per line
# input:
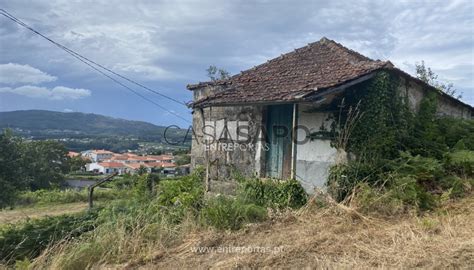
<point x="332" y="238"/>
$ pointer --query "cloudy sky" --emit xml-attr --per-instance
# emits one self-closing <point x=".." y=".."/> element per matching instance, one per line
<point x="168" y="44"/>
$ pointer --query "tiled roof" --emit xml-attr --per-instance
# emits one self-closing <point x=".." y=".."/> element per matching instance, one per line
<point x="154" y="164"/>
<point x="102" y="151"/>
<point x="72" y="154"/>
<point x="112" y="164"/>
<point x="135" y="165"/>
<point x="160" y="157"/>
<point x="317" y="66"/>
<point x="168" y="165"/>
<point x="119" y="157"/>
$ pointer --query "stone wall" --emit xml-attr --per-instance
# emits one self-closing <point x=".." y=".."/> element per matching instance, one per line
<point x="228" y="138"/>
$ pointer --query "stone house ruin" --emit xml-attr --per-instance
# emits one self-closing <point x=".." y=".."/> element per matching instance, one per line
<point x="259" y="122"/>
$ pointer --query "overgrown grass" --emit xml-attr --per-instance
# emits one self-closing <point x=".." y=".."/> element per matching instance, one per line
<point x="407" y="183"/>
<point x="147" y="221"/>
<point x="57" y="196"/>
<point x="28" y="239"/>
<point x="273" y="193"/>
<point x="229" y="213"/>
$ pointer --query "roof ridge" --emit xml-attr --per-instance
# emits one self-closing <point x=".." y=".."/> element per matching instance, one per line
<point x="333" y="44"/>
<point x="329" y="43"/>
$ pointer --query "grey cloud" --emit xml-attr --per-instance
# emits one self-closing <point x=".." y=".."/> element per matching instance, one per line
<point x="176" y="40"/>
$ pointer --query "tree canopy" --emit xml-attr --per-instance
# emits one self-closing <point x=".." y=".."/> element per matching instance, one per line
<point x="29" y="165"/>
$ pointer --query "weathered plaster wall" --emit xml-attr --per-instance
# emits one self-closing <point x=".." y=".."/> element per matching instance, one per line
<point x="446" y="106"/>
<point x="313" y="158"/>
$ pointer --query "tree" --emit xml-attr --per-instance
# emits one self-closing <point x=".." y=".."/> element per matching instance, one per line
<point x="216" y="74"/>
<point x="142" y="170"/>
<point x="183" y="159"/>
<point x="76" y="163"/>
<point x="46" y="163"/>
<point x="428" y="76"/>
<point x="12" y="173"/>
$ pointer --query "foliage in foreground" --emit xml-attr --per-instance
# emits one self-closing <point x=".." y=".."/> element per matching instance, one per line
<point x="146" y="220"/>
<point x="273" y="193"/>
<point x="29" y="239"/>
<point x="30" y="165"/>
<point x="229" y="213"/>
<point x="57" y="196"/>
<point x="403" y="159"/>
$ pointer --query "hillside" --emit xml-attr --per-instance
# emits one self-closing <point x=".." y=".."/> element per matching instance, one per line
<point x="82" y="131"/>
<point x="41" y="122"/>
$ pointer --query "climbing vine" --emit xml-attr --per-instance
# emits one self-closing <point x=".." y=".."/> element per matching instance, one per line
<point x="385" y="119"/>
<point x="400" y="153"/>
<point x="386" y="124"/>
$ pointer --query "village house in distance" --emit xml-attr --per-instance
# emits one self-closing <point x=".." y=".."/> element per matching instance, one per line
<point x="107" y="162"/>
<point x="297" y="89"/>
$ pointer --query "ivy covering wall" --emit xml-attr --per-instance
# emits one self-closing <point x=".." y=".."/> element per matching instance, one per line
<point x="386" y="125"/>
<point x="399" y="152"/>
<point x="384" y="117"/>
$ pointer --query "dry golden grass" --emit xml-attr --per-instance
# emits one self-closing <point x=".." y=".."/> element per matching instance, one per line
<point x="331" y="237"/>
<point x="335" y="238"/>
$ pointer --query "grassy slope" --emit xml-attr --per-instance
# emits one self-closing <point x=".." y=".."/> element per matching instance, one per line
<point x="23" y="213"/>
<point x="334" y="238"/>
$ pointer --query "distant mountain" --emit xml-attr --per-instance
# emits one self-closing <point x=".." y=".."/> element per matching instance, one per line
<point x="40" y="123"/>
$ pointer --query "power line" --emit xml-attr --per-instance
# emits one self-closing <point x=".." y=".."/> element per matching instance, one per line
<point x="90" y="63"/>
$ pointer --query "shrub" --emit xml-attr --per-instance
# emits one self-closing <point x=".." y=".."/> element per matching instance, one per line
<point x="408" y="190"/>
<point x="403" y="194"/>
<point x="226" y="213"/>
<point x="406" y="182"/>
<point x="123" y="182"/>
<point x="460" y="162"/>
<point x="345" y="177"/>
<point x="273" y="193"/>
<point x="370" y="200"/>
<point x="187" y="191"/>
<point x="421" y="168"/>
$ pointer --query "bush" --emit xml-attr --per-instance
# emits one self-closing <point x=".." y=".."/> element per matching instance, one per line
<point x="407" y="182"/>
<point x="273" y="193"/>
<point x="370" y="200"/>
<point x="403" y="194"/>
<point x="227" y="213"/>
<point x="28" y="239"/>
<point x="460" y="162"/>
<point x="456" y="186"/>
<point x="187" y="191"/>
<point x="345" y="177"/>
<point x="409" y="191"/>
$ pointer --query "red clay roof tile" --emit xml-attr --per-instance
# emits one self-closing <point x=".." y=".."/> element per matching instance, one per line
<point x="318" y="65"/>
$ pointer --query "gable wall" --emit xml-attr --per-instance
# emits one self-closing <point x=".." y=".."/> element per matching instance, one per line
<point x="225" y="150"/>
<point x="446" y="106"/>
